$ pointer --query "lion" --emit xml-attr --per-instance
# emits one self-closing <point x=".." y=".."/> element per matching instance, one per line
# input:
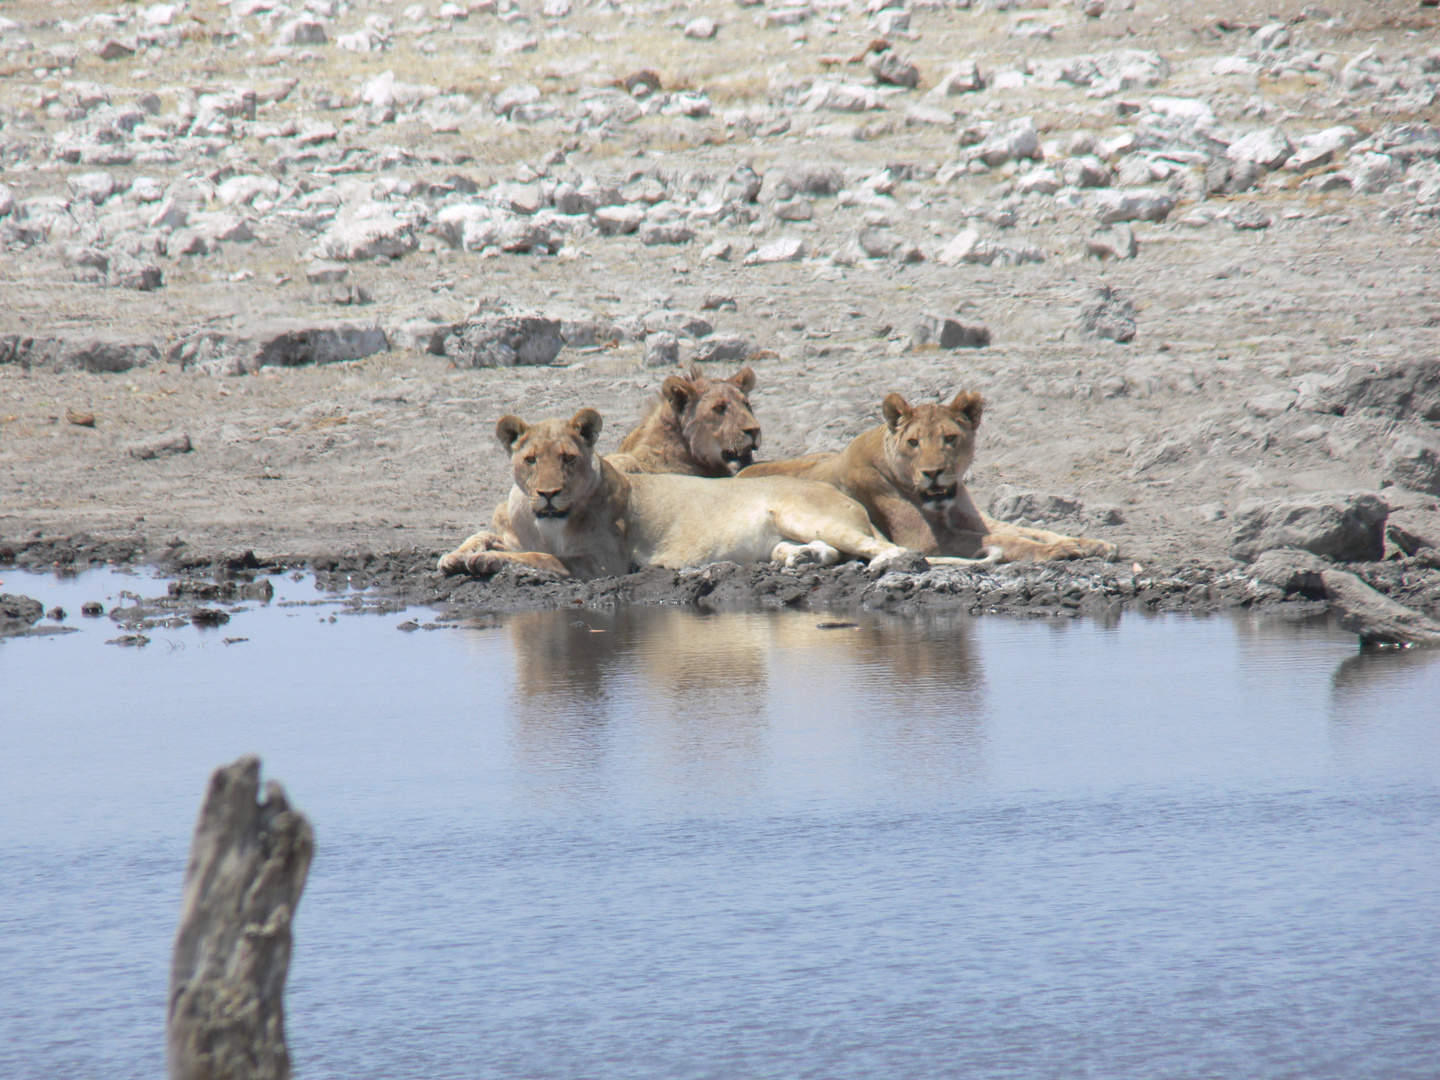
<point x="572" y="512"/>
<point x="696" y="427"/>
<point x="908" y="474"/>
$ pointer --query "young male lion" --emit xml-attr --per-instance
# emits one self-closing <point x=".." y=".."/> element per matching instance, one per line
<point x="572" y="512"/>
<point x="697" y="426"/>
<point x="908" y="472"/>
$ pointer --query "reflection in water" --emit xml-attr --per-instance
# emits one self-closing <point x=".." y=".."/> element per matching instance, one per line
<point x="709" y="696"/>
<point x="1378" y="669"/>
<point x="741" y="846"/>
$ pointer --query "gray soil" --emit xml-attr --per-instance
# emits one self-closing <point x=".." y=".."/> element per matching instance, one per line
<point x="364" y="470"/>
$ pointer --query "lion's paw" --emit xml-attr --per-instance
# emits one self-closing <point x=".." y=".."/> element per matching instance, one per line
<point x="815" y="553"/>
<point x="485" y="563"/>
<point x="453" y="563"/>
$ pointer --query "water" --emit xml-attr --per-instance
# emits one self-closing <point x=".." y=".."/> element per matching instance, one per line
<point x="654" y="844"/>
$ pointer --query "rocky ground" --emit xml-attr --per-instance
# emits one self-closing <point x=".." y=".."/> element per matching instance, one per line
<point x="271" y="271"/>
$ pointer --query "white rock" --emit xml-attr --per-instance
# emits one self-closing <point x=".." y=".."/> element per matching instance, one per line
<point x="1268" y="148"/>
<point x="306" y="30"/>
<point x="1271" y="36"/>
<point x="160" y="14"/>
<point x="964" y="78"/>
<point x="513" y="96"/>
<point x="470" y="226"/>
<point x="383" y="90"/>
<point x="169" y="215"/>
<point x="368" y="233"/>
<point x="616" y="220"/>
<point x="1039" y="181"/>
<point x="1188" y="110"/>
<point x="960" y="249"/>
<point x="703" y="28"/>
<point x="94" y="187"/>
<point x="1010" y="142"/>
<point x="788" y="249"/>
<point x="1234" y="65"/>
<point x="1133" y="204"/>
<point x="358" y="41"/>
<point x="219" y="225"/>
<point x="1319" y="149"/>
<point x="145" y="189"/>
<point x="7" y="200"/>
<point x="242" y="190"/>
<point x="841" y="97"/>
<point x="1371" y="173"/>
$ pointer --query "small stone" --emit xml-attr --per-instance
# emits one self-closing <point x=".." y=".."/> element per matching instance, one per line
<point x="326" y="272"/>
<point x="780" y="251"/>
<point x="93" y="187"/>
<point x="170" y="443"/>
<point x="964" y="78"/>
<point x="1414" y="464"/>
<point x="891" y="69"/>
<point x="662" y="349"/>
<point x="655" y="233"/>
<point x="702" y="28"/>
<point x="957" y="335"/>
<point x="1108" y="315"/>
<point x="1248" y="217"/>
<point x="618" y="220"/>
<point x="306" y="30"/>
<point x="1269" y="148"/>
<point x="1112" y="242"/>
<point x="794" y="210"/>
<point x="1133" y="204"/>
<point x="110" y="49"/>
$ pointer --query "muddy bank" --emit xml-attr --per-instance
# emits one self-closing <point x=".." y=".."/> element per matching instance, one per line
<point x="205" y="587"/>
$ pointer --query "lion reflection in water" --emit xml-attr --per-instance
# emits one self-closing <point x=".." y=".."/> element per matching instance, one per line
<point x="707" y="688"/>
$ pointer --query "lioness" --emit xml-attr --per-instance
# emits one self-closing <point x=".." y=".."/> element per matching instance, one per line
<point x="907" y="474"/>
<point x="697" y="427"/>
<point x="574" y="513"/>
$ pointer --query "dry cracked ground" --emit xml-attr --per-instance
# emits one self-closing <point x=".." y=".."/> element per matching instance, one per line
<point x="272" y="271"/>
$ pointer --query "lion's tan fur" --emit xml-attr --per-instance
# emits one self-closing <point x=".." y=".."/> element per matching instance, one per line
<point x="909" y="472"/>
<point x="696" y="426"/>
<point x="572" y="512"/>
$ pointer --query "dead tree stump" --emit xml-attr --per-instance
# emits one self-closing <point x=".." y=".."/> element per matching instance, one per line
<point x="248" y="862"/>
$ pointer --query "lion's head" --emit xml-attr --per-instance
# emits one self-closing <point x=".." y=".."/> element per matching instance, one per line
<point x="715" y="417"/>
<point x="929" y="447"/>
<point x="553" y="460"/>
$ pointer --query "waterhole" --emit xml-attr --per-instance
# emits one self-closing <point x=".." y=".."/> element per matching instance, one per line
<point x="649" y="843"/>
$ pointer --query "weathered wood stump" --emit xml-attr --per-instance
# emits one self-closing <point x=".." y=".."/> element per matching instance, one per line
<point x="248" y="862"/>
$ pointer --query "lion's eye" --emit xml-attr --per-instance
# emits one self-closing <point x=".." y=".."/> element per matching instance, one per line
<point x="913" y="442"/>
<point x="949" y="440"/>
<point x="720" y="408"/>
<point x="568" y="459"/>
<point x="530" y="459"/>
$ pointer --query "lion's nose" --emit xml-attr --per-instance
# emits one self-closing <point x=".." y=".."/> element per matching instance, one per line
<point x="931" y="474"/>
<point x="549" y="496"/>
<point x="754" y="433"/>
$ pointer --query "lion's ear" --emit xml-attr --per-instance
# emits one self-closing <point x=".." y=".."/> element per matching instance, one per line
<point x="508" y="429"/>
<point x="677" y="392"/>
<point x="968" y="406"/>
<point x="896" y="409"/>
<point x="744" y="380"/>
<point x="587" y="424"/>
<point x="695" y="374"/>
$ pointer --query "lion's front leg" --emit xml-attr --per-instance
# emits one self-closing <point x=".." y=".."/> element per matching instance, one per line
<point x="485" y="554"/>
<point x="1018" y="543"/>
